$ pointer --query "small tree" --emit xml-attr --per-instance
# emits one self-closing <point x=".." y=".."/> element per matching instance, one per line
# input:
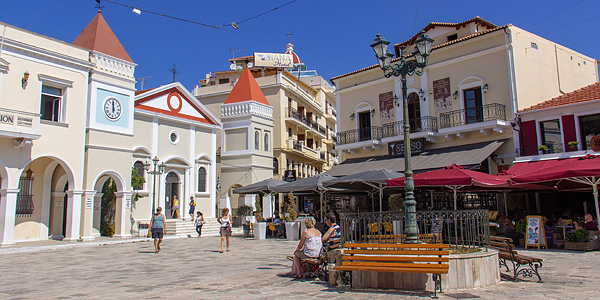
<point x="290" y="208"/>
<point x="396" y="202"/>
<point x="258" y="212"/>
<point x="137" y="183"/>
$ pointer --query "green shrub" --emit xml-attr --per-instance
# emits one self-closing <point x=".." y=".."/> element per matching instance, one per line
<point x="258" y="213"/>
<point x="244" y="210"/>
<point x="581" y="235"/>
<point x="521" y="226"/>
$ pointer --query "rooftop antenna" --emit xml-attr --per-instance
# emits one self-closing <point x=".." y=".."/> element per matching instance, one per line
<point x="233" y="51"/>
<point x="174" y="71"/>
<point x="142" y="81"/>
<point x="289" y="35"/>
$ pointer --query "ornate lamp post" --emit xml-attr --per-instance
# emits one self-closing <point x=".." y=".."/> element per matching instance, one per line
<point x="154" y="172"/>
<point x="384" y="56"/>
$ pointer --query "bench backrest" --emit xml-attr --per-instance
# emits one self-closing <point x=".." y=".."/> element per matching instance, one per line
<point x="397" y="255"/>
<point x="502" y="244"/>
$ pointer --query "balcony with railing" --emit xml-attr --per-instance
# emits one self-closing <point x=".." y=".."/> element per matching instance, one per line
<point x="306" y="152"/>
<point x="489" y="112"/>
<point x="359" y="135"/>
<point x="331" y="114"/>
<point x="551" y="148"/>
<point x="423" y="124"/>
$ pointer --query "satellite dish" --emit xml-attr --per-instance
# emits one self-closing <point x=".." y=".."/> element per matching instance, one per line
<point x="233" y="67"/>
<point x="250" y="65"/>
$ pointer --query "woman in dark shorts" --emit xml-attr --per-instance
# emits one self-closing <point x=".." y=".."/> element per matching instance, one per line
<point x="225" y="220"/>
<point x="158" y="228"/>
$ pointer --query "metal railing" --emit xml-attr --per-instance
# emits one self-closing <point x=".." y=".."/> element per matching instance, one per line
<point x="359" y="135"/>
<point x="551" y="149"/>
<point x="423" y="124"/>
<point x="459" y="228"/>
<point x="489" y="112"/>
<point x="25" y="205"/>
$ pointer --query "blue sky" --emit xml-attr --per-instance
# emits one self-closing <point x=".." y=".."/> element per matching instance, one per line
<point x="332" y="37"/>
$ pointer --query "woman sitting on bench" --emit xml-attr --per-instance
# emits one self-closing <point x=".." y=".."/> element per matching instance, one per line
<point x="310" y="246"/>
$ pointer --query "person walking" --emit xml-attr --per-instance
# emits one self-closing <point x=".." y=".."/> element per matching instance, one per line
<point x="158" y="228"/>
<point x="225" y="220"/>
<point x="199" y="223"/>
<point x="192" y="207"/>
<point x="175" y="208"/>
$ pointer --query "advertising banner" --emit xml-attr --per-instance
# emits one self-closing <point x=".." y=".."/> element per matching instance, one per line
<point x="386" y="107"/>
<point x="442" y="100"/>
<point x="273" y="60"/>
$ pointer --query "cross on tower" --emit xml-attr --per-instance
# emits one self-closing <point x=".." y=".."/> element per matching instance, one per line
<point x="289" y="35"/>
<point x="174" y="71"/>
<point x="99" y="6"/>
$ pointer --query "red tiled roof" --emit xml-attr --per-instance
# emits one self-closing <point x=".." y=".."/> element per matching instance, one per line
<point x="142" y="91"/>
<point x="468" y="37"/>
<point x="242" y="58"/>
<point x="588" y="93"/>
<point x="246" y="89"/>
<point x="98" y="36"/>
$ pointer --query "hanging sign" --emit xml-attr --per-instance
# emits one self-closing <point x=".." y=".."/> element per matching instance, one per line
<point x="386" y="107"/>
<point x="442" y="101"/>
<point x="535" y="234"/>
<point x="595" y="143"/>
<point x="290" y="175"/>
<point x="397" y="148"/>
<point x="274" y="60"/>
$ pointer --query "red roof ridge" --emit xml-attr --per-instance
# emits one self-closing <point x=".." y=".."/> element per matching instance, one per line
<point x="99" y="37"/>
<point x="246" y="89"/>
<point x="584" y="94"/>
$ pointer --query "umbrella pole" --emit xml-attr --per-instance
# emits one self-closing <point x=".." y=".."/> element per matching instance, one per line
<point x="380" y="198"/>
<point x="321" y="200"/>
<point x="505" y="204"/>
<point x="454" y="189"/>
<point x="595" y="187"/>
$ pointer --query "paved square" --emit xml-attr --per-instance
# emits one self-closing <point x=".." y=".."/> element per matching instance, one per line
<point x="193" y="268"/>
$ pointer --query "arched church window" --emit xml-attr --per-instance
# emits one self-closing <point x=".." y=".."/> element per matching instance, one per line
<point x="201" y="180"/>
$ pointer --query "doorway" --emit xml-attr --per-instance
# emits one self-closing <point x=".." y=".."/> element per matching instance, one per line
<point x="473" y="106"/>
<point x="364" y="126"/>
<point x="171" y="190"/>
<point x="414" y="112"/>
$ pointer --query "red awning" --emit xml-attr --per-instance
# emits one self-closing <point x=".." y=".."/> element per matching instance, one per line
<point x="587" y="166"/>
<point x="451" y="176"/>
<point x="533" y="166"/>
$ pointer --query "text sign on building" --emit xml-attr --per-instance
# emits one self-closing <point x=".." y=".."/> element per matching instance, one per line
<point x="13" y="119"/>
<point x="290" y="175"/>
<point x="397" y="148"/>
<point x="441" y="95"/>
<point x="273" y="60"/>
<point x="595" y="143"/>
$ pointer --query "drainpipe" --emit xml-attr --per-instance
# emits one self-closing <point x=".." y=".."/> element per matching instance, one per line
<point x="510" y="60"/>
<point x="557" y="70"/>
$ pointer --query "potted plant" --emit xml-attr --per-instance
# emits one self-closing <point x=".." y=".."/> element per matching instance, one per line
<point x="521" y="228"/>
<point x="244" y="211"/>
<point x="260" y="227"/>
<point x="573" y="144"/>
<point x="578" y="240"/>
<point x="396" y="202"/>
<point x="137" y="183"/>
<point x="292" y="228"/>
<point x="542" y="149"/>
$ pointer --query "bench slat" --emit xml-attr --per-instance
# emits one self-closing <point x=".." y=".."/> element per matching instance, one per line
<point x="397" y="252"/>
<point x="396" y="265"/>
<point x="394" y="258"/>
<point x="383" y="269"/>
<point x="415" y="246"/>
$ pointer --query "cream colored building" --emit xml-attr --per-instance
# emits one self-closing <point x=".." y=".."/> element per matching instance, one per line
<point x="477" y="78"/>
<point x="68" y="122"/>
<point x="303" y="118"/>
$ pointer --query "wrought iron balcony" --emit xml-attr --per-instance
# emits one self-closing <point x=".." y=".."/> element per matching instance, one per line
<point x="489" y="112"/>
<point x="424" y="124"/>
<point x="359" y="135"/>
<point x="296" y="114"/>
<point x="549" y="148"/>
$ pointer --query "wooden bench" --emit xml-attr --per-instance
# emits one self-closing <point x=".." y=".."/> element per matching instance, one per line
<point x="522" y="265"/>
<point x="403" y="258"/>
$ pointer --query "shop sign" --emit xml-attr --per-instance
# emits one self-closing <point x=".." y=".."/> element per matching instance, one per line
<point x="290" y="175"/>
<point x="273" y="60"/>
<point x="9" y="119"/>
<point x="595" y="143"/>
<point x="397" y="148"/>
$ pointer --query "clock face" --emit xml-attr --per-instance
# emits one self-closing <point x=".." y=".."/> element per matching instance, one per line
<point x="112" y="109"/>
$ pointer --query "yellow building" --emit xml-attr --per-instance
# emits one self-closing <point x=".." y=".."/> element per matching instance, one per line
<point x="303" y="124"/>
<point x="461" y="109"/>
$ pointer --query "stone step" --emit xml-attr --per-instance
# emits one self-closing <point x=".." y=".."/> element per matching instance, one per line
<point x="188" y="227"/>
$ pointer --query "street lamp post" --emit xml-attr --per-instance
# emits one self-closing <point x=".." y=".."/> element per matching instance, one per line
<point x="154" y="172"/>
<point x="384" y="56"/>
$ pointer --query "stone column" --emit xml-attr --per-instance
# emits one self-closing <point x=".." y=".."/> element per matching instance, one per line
<point x="73" y="216"/>
<point x="8" y="207"/>
<point x="87" y="215"/>
<point x="122" y="215"/>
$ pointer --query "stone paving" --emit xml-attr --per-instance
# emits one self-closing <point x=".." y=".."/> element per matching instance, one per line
<point x="192" y="268"/>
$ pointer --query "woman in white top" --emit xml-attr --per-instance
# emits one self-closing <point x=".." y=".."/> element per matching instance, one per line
<point x="225" y="220"/>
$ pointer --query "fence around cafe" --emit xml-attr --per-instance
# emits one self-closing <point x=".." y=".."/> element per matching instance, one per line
<point x="459" y="228"/>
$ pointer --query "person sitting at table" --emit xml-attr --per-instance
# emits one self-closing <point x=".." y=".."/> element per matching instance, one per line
<point x="588" y="225"/>
<point x="310" y="246"/>
<point x="551" y="236"/>
<point x="277" y="221"/>
<point x="334" y="234"/>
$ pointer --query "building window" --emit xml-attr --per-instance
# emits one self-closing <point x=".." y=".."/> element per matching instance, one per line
<point x="275" y="165"/>
<point x="589" y="126"/>
<point x="551" y="138"/>
<point x="452" y="37"/>
<point x="174" y="137"/>
<point x="202" y="180"/>
<point x="25" y="195"/>
<point x="266" y="142"/>
<point x="257" y="140"/>
<point x="223" y="80"/>
<point x="139" y="167"/>
<point x="51" y="103"/>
